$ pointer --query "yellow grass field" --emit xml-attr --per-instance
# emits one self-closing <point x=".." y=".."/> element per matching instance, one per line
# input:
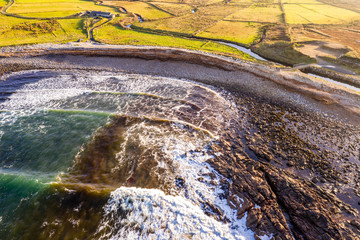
<point x="2" y="3"/>
<point x="174" y="8"/>
<point x="245" y="33"/>
<point x="56" y="8"/>
<point x="203" y="18"/>
<point x="146" y="11"/>
<point x="318" y="14"/>
<point x="268" y="14"/>
<point x="301" y="2"/>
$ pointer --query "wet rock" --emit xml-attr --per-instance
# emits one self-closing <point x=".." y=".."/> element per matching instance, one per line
<point x="308" y="207"/>
<point x="180" y="182"/>
<point x="315" y="179"/>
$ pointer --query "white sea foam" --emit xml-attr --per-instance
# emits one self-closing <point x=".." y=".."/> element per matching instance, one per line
<point x="143" y="213"/>
<point x="32" y="91"/>
<point x="150" y="214"/>
<point x="134" y="213"/>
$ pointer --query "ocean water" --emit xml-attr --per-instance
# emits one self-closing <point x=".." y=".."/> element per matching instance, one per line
<point x="101" y="155"/>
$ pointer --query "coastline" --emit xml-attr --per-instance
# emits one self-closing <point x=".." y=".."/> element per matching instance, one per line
<point x="322" y="92"/>
<point x="257" y="177"/>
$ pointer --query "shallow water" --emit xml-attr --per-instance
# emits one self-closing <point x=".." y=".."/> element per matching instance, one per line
<point x="105" y="155"/>
<point x="336" y="82"/>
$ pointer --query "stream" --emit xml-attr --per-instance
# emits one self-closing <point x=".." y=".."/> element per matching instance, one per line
<point x="251" y="53"/>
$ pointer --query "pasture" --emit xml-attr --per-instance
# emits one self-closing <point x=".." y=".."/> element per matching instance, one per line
<point x="177" y="23"/>
<point x="114" y="35"/>
<point x="268" y="14"/>
<point x="228" y="30"/>
<point x="55" y="8"/>
<point x="146" y="11"/>
<point x="318" y="14"/>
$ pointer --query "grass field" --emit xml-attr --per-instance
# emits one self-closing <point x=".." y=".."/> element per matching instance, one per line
<point x="176" y="9"/>
<point x="114" y="35"/>
<point x="268" y="14"/>
<point x="202" y="19"/>
<point x="56" y="8"/>
<point x="230" y="31"/>
<point x="318" y="14"/>
<point x="353" y="5"/>
<point x="176" y="23"/>
<point x="146" y="11"/>
<point x="283" y="52"/>
<point x="16" y="31"/>
<point x="3" y="3"/>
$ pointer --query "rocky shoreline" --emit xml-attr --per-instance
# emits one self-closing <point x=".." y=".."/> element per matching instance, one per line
<point x="293" y="152"/>
<point x="295" y="80"/>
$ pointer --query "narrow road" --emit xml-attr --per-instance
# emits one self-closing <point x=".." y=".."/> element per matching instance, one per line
<point x="91" y="30"/>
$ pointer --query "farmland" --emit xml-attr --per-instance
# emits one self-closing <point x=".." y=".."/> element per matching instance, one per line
<point x="278" y="30"/>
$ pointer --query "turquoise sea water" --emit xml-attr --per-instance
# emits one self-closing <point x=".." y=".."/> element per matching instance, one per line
<point x="99" y="155"/>
<point x="36" y="148"/>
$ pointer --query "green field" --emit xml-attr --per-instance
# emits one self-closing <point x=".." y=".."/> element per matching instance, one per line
<point x="229" y="31"/>
<point x="56" y="8"/>
<point x="192" y="24"/>
<point x="114" y="35"/>
<point x="146" y="11"/>
<point x="14" y="31"/>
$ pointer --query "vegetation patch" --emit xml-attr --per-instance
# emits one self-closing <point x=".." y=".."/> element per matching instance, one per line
<point x="38" y="27"/>
<point x="282" y="52"/>
<point x="317" y="13"/>
<point x="146" y="11"/>
<point x="352" y="64"/>
<point x="267" y="14"/>
<point x="240" y="32"/>
<point x="112" y="34"/>
<point x="15" y="31"/>
<point x="176" y="9"/>
<point x="200" y="20"/>
<point x="55" y="8"/>
<point x="2" y="3"/>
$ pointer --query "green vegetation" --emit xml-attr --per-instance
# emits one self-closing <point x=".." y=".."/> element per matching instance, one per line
<point x="15" y="31"/>
<point x="351" y="64"/>
<point x="283" y="52"/>
<point x="115" y="35"/>
<point x="230" y="31"/>
<point x="272" y="28"/>
<point x="146" y="11"/>
<point x="55" y="8"/>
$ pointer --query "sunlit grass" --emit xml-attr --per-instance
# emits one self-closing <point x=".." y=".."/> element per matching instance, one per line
<point x="3" y="3"/>
<point x="270" y="13"/>
<point x="203" y="18"/>
<point x="56" y="8"/>
<point x="145" y="10"/>
<point x="114" y="35"/>
<point x="245" y="33"/>
<point x="318" y="14"/>
<point x="174" y="8"/>
<point x="12" y="31"/>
